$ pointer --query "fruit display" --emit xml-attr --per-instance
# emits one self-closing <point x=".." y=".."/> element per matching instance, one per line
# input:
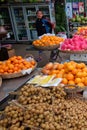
<point x="30" y="94"/>
<point x="16" y="64"/>
<point x="82" y="31"/>
<point x="71" y="72"/>
<point x="48" y="40"/>
<point x="77" y="43"/>
<point x="80" y="19"/>
<point x="51" y="112"/>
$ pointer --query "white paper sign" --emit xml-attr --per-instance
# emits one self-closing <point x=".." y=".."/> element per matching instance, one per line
<point x="69" y="9"/>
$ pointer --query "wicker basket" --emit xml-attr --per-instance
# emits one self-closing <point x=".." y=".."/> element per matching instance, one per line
<point x="47" y="47"/>
<point x="73" y="52"/>
<point x="0" y="81"/>
<point x="21" y="73"/>
<point x="15" y="75"/>
<point x="73" y="88"/>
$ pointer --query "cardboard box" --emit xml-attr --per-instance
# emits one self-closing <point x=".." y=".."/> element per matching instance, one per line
<point x="11" y="52"/>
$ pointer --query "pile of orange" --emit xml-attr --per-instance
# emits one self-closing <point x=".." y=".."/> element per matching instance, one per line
<point x="15" y="64"/>
<point x="71" y="72"/>
<point x="48" y="41"/>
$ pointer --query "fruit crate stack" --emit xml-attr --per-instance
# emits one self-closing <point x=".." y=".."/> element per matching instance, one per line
<point x="76" y="22"/>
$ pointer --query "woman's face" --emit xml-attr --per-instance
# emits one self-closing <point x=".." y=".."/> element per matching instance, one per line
<point x="39" y="14"/>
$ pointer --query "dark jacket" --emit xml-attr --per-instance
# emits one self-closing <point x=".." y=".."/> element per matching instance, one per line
<point x="43" y="26"/>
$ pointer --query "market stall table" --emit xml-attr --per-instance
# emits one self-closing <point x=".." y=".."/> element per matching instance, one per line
<point x="54" y="53"/>
<point x="10" y="85"/>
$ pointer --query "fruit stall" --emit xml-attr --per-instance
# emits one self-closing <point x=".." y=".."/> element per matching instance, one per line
<point x="52" y="97"/>
<point x="49" y="98"/>
<point x="76" y="15"/>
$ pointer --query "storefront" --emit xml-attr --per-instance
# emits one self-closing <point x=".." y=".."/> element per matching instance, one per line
<point x="19" y="19"/>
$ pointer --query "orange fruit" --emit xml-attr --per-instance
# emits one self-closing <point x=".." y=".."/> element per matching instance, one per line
<point x="78" y="80"/>
<point x="10" y="71"/>
<point x="54" y="72"/>
<point x="5" y="73"/>
<point x="85" y="81"/>
<point x="84" y="74"/>
<point x="70" y="67"/>
<point x="11" y="66"/>
<point x="8" y="62"/>
<point x="1" y="70"/>
<point x="84" y="69"/>
<point x="1" y="62"/>
<point x="80" y="84"/>
<point x="6" y="68"/>
<point x="60" y="66"/>
<point x="70" y="76"/>
<point x="79" y="74"/>
<point x="82" y="65"/>
<point x="71" y="82"/>
<point x="74" y="71"/>
<point x="33" y="62"/>
<point x="64" y="81"/>
<point x="19" y="57"/>
<point x="59" y="75"/>
<point x="79" y="66"/>
<point x="15" y="69"/>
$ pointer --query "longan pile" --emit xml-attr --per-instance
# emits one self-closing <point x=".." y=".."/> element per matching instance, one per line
<point x="33" y="95"/>
<point x="66" y="115"/>
<point x="13" y="116"/>
<point x="42" y="113"/>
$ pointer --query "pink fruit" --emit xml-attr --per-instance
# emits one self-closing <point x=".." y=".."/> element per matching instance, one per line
<point x="75" y="43"/>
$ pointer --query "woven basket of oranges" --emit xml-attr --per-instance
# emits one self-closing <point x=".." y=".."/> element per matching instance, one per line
<point x="73" y="74"/>
<point x="48" y="42"/>
<point x="17" y="66"/>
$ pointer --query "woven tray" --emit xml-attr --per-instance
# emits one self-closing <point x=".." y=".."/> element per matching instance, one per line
<point x="21" y="73"/>
<point x="74" y="89"/>
<point x="47" y="47"/>
<point x="73" y="52"/>
<point x="0" y="81"/>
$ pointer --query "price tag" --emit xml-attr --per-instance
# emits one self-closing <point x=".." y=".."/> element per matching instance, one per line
<point x="78" y="57"/>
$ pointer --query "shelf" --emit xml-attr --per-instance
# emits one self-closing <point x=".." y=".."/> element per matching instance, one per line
<point x="32" y="28"/>
<point x="81" y="24"/>
<point x="46" y="14"/>
<point x="31" y="21"/>
<point x="31" y="15"/>
<point x="21" y="29"/>
<point x="18" y="15"/>
<point x="6" y="24"/>
<point x="20" y="21"/>
<point x="5" y="18"/>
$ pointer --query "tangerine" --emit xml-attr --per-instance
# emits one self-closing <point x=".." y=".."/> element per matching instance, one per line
<point x="64" y="81"/>
<point x="71" y="82"/>
<point x="78" y="80"/>
<point x="70" y="76"/>
<point x="80" y="84"/>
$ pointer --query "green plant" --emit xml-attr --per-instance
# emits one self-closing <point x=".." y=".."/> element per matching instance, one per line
<point x="60" y="16"/>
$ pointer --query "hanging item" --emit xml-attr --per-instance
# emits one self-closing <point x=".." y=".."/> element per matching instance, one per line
<point x="81" y="7"/>
<point x="75" y="8"/>
<point x="69" y="9"/>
